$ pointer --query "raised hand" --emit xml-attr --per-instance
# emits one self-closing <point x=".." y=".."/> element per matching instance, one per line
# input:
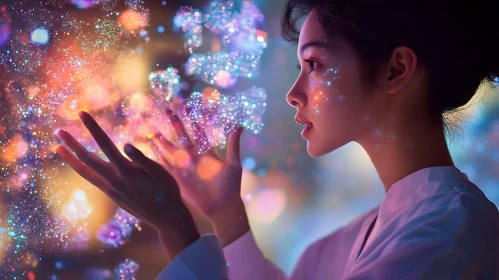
<point x="140" y="186"/>
<point x="208" y="184"/>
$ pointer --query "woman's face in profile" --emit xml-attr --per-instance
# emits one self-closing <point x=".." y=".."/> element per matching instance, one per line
<point x="329" y="93"/>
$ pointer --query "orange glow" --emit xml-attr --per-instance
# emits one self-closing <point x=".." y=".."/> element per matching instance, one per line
<point x="144" y="130"/>
<point x="261" y="35"/>
<point x="140" y="103"/>
<point x="33" y="91"/>
<point x="216" y="45"/>
<point x="31" y="276"/>
<point x="15" y="148"/>
<point x="208" y="168"/>
<point x="131" y="20"/>
<point x="70" y="107"/>
<point x="210" y="95"/>
<point x="96" y="96"/>
<point x="182" y="159"/>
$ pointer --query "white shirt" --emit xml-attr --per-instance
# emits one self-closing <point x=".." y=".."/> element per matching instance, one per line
<point x="432" y="224"/>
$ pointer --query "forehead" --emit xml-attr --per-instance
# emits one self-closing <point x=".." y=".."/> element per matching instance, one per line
<point x="311" y="31"/>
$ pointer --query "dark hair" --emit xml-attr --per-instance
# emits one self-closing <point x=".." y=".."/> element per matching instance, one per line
<point x="456" y="41"/>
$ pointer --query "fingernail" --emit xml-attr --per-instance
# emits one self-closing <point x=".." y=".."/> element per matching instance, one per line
<point x="129" y="149"/>
<point x="59" y="133"/>
<point x="82" y="114"/>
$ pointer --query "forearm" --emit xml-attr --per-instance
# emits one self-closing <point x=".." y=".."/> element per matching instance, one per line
<point x="180" y="232"/>
<point x="231" y="223"/>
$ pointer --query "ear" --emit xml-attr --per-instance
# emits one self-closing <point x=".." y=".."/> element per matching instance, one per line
<point x="401" y="68"/>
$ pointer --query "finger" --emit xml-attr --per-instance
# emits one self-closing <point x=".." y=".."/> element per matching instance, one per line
<point x="105" y="143"/>
<point x="88" y="158"/>
<point x="232" y="157"/>
<point x="179" y="129"/>
<point x="200" y="137"/>
<point x="165" y="144"/>
<point x="163" y="159"/>
<point x="150" y="166"/>
<point x="84" y="171"/>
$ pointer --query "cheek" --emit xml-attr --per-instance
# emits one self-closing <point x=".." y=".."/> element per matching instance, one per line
<point x="326" y="90"/>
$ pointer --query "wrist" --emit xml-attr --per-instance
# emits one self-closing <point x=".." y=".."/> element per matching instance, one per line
<point x="179" y="233"/>
<point x="230" y="224"/>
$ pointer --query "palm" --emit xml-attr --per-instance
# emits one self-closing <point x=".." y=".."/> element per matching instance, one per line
<point x="205" y="181"/>
<point x="206" y="193"/>
<point x="141" y="186"/>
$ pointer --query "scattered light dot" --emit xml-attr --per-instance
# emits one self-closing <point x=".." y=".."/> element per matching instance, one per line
<point x="249" y="163"/>
<point x="161" y="29"/>
<point x="40" y="36"/>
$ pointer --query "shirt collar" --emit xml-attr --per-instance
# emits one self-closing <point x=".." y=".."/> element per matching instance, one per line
<point x="418" y="185"/>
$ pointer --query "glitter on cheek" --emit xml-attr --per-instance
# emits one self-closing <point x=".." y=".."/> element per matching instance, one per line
<point x="321" y="96"/>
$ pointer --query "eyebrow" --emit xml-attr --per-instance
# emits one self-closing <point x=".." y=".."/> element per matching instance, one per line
<point x="313" y="44"/>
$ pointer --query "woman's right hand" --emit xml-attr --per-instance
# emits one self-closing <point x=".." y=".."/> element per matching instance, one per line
<point x="210" y="185"/>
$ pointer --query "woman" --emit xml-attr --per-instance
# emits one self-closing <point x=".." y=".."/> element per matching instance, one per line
<point x="378" y="72"/>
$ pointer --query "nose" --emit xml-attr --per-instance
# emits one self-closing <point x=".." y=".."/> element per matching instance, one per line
<point x="296" y="97"/>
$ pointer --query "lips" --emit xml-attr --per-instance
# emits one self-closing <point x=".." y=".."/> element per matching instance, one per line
<point x="300" y="120"/>
<point x="308" y="125"/>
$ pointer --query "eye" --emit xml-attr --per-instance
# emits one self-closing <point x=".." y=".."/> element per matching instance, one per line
<point x="311" y="65"/>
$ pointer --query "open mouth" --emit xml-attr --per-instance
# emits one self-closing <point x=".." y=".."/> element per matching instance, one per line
<point x="308" y="125"/>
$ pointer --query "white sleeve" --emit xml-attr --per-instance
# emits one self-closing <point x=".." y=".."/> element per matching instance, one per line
<point x="202" y="260"/>
<point x="247" y="262"/>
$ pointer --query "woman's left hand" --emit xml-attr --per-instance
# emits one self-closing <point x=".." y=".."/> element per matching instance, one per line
<point x="142" y="187"/>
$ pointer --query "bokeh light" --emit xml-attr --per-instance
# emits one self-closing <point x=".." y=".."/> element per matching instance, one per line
<point x="218" y="65"/>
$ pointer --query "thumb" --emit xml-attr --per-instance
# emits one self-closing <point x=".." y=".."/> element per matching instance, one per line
<point x="232" y="156"/>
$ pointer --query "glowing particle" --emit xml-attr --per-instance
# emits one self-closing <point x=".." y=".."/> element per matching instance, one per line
<point x="217" y="115"/>
<point x="249" y="163"/>
<point x="40" y="36"/>
<point x="165" y="83"/>
<point x="126" y="270"/>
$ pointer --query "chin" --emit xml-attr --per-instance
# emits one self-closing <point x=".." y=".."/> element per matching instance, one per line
<point x="315" y="151"/>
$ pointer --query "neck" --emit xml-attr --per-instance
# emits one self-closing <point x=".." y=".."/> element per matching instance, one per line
<point x="397" y="149"/>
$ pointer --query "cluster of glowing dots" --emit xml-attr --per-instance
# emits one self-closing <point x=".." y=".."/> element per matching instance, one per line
<point x="119" y="229"/>
<point x="220" y="114"/>
<point x="318" y="97"/>
<point x="222" y="68"/>
<point x="242" y="43"/>
<point x="211" y="114"/>
<point x="57" y="64"/>
<point x="78" y="207"/>
<point x="126" y="270"/>
<point x="165" y="83"/>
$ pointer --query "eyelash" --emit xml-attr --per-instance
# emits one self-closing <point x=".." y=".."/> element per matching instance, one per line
<point x="308" y="62"/>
